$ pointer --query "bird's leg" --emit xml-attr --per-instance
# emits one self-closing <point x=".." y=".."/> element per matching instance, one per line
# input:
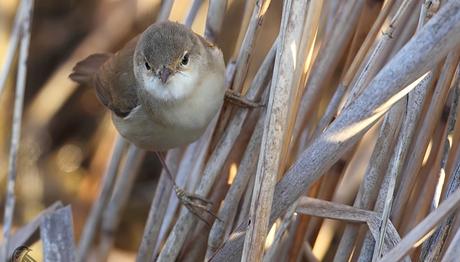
<point x="197" y="205"/>
<point x="235" y="98"/>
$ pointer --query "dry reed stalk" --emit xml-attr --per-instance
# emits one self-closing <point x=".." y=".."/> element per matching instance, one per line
<point x="364" y="199"/>
<point x="329" y="184"/>
<point x="158" y="208"/>
<point x="414" y="161"/>
<point x="185" y="178"/>
<point x="423" y="228"/>
<point x="408" y="31"/>
<point x="27" y="234"/>
<point x="425" y="49"/>
<point x="119" y="198"/>
<point x="327" y="59"/>
<point x="308" y="253"/>
<point x="313" y="222"/>
<point x="165" y="10"/>
<point x="348" y="188"/>
<point x="305" y="58"/>
<point x="368" y="191"/>
<point x="356" y="60"/>
<point x="56" y="233"/>
<point x="87" y="236"/>
<point x="227" y="212"/>
<point x="243" y="59"/>
<point x="192" y="12"/>
<point x="190" y="168"/>
<point x="246" y="203"/>
<point x="432" y="248"/>
<point x="244" y="56"/>
<point x="331" y="210"/>
<point x="25" y="21"/>
<point x="309" y="226"/>
<point x="282" y="93"/>
<point x="298" y="236"/>
<point x="368" y="41"/>
<point x="277" y="244"/>
<point x="411" y="115"/>
<point x="423" y="192"/>
<point x="452" y="119"/>
<point x="453" y="251"/>
<point x="454" y="155"/>
<point x="216" y="13"/>
<point x="379" y="53"/>
<point x="287" y="240"/>
<point x="12" y="45"/>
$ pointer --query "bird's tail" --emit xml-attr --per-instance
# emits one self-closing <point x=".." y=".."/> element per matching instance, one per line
<point x="85" y="69"/>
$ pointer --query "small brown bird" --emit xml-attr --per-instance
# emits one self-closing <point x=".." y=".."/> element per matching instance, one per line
<point x="163" y="88"/>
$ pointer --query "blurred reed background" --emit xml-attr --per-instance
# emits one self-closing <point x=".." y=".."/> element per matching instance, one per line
<point x="327" y="72"/>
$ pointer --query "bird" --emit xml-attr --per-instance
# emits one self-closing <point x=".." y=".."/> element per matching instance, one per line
<point x="163" y="88"/>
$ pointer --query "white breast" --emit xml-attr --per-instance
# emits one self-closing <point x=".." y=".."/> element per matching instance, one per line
<point x="175" y="124"/>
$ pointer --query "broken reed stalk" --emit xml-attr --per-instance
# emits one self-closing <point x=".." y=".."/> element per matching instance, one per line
<point x="25" y="21"/>
<point x="56" y="233"/>
<point x="286" y="72"/>
<point x="95" y="215"/>
<point x="439" y="36"/>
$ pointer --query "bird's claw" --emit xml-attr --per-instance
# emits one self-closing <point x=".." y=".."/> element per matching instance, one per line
<point x="197" y="205"/>
<point x="235" y="98"/>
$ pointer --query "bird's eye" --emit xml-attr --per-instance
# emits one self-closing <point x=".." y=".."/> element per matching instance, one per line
<point x="147" y="66"/>
<point x="185" y="59"/>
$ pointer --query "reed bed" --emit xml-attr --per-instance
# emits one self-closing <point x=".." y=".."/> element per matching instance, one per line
<point x="353" y="156"/>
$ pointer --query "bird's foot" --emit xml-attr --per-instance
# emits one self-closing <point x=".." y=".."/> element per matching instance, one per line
<point x="235" y="98"/>
<point x="197" y="205"/>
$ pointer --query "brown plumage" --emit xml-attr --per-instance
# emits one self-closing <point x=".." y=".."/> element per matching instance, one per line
<point x="171" y="78"/>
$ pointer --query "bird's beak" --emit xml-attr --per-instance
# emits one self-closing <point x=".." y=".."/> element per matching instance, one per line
<point x="164" y="74"/>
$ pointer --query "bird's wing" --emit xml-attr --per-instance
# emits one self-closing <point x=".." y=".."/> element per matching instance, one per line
<point x="113" y="78"/>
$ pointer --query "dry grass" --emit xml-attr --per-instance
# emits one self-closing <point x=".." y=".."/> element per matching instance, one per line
<point x="355" y="155"/>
